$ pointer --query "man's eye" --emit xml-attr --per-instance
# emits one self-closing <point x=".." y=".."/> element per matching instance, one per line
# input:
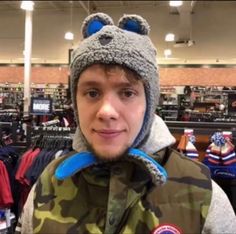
<point x="128" y="93"/>
<point x="92" y="94"/>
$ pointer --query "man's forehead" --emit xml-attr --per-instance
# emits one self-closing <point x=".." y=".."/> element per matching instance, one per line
<point x="96" y="76"/>
<point x="87" y="82"/>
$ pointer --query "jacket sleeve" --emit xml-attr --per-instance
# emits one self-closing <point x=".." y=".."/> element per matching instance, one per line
<point x="221" y="217"/>
<point x="24" y="224"/>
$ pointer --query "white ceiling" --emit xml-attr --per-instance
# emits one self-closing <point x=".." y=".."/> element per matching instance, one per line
<point x="210" y="24"/>
<point x="90" y="5"/>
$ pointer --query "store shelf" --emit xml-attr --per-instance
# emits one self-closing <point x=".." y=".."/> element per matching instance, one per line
<point x="200" y="127"/>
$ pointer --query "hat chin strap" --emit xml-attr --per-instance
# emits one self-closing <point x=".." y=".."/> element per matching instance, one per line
<point x="83" y="160"/>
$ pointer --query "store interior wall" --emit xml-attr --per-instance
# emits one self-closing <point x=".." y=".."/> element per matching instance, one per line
<point x="170" y="76"/>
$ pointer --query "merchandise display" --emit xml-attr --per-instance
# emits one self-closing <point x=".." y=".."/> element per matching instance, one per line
<point x="215" y="148"/>
<point x="57" y="93"/>
<point x="11" y="95"/>
<point x="197" y="104"/>
<point x="186" y="144"/>
<point x="220" y="156"/>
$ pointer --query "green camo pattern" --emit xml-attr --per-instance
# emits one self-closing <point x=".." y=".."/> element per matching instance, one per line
<point x="121" y="199"/>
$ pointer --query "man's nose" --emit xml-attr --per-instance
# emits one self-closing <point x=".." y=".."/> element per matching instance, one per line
<point x="108" y="108"/>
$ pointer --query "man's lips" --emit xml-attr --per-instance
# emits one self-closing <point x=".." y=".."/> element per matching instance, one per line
<point x="108" y="133"/>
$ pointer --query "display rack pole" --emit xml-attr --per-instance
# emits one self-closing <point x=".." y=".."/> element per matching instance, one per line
<point x="27" y="60"/>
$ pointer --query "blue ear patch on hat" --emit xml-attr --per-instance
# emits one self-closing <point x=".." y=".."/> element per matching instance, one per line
<point x="94" y="23"/>
<point x="134" y="23"/>
<point x="93" y="27"/>
<point x="132" y="26"/>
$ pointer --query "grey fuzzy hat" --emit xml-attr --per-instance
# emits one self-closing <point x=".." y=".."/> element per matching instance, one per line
<point x="127" y="44"/>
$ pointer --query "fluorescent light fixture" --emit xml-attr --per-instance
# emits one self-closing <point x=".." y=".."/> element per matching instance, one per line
<point x="27" y="5"/>
<point x="167" y="52"/>
<point x="69" y="36"/>
<point x="170" y="37"/>
<point x="175" y="3"/>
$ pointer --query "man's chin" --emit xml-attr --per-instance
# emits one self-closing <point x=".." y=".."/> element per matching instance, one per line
<point x="108" y="155"/>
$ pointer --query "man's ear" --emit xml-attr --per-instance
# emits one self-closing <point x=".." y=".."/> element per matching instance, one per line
<point x="95" y="22"/>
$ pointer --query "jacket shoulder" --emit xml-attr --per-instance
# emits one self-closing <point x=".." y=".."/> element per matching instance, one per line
<point x="180" y="165"/>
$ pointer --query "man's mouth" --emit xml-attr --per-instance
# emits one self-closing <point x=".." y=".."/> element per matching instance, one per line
<point x="108" y="133"/>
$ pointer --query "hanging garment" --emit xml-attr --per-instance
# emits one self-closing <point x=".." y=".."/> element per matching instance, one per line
<point x="31" y="164"/>
<point x="6" y="199"/>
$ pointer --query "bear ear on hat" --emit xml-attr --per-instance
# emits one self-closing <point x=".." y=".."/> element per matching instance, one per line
<point x="134" y="23"/>
<point x="95" y="22"/>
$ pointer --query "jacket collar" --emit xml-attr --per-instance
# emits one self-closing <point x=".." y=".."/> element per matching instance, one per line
<point x="158" y="139"/>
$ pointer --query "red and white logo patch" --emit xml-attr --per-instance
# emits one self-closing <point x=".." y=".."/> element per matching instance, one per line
<point x="167" y="229"/>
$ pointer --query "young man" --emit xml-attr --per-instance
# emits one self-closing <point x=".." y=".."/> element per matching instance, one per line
<point x="123" y="177"/>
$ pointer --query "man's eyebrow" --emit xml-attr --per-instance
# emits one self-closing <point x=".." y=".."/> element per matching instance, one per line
<point x="88" y="83"/>
<point x="85" y="84"/>
<point x="126" y="84"/>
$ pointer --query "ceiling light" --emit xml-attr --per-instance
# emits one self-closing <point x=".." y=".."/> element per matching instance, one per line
<point x="69" y="36"/>
<point x="170" y="37"/>
<point x="175" y="3"/>
<point x="167" y="52"/>
<point x="27" y="5"/>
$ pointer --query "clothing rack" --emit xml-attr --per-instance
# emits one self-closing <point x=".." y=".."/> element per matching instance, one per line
<point x="45" y="143"/>
<point x="9" y="112"/>
<point x="10" y="125"/>
<point x="8" y="159"/>
<point x="51" y="131"/>
<point x="51" y="123"/>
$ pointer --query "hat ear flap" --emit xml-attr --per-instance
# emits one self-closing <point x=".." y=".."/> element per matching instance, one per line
<point x="134" y="23"/>
<point x="93" y="23"/>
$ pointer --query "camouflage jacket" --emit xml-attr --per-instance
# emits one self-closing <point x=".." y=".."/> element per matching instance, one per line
<point x="120" y="198"/>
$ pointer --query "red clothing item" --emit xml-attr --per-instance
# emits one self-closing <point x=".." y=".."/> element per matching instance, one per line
<point x="22" y="163"/>
<point x="25" y="163"/>
<point x="6" y="199"/>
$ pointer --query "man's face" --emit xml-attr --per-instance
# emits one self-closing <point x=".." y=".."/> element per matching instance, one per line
<point x="111" y="110"/>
